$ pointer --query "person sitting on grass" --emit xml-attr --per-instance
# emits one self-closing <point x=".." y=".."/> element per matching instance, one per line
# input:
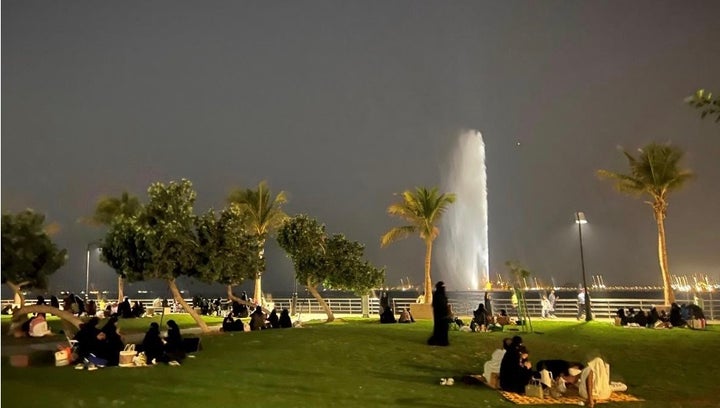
<point x="228" y="323"/>
<point x="112" y="344"/>
<point x="89" y="341"/>
<point x="592" y="382"/>
<point x="503" y="319"/>
<point x="38" y="326"/>
<point x="515" y="369"/>
<point x="274" y="319"/>
<point x="406" y="316"/>
<point x="285" y="321"/>
<point x="257" y="319"/>
<point x="492" y="366"/>
<point x="480" y="321"/>
<point x="174" y="344"/>
<point x="641" y="318"/>
<point x="89" y="337"/>
<point x="152" y="345"/>
<point x="387" y="315"/>
<point x="676" y="319"/>
<point x="138" y="310"/>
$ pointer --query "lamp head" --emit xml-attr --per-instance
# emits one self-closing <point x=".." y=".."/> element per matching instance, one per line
<point x="580" y="218"/>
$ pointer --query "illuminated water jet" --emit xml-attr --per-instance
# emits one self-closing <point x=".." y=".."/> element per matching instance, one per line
<point x="463" y="244"/>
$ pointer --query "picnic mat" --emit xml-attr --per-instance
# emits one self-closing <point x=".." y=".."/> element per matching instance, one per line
<point x="548" y="400"/>
<point x="572" y="400"/>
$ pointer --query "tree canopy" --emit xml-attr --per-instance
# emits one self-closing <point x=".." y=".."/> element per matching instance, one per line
<point x="29" y="255"/>
<point x="230" y="253"/>
<point x="334" y="262"/>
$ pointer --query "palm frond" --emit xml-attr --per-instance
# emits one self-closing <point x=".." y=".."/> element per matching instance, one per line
<point x="396" y="234"/>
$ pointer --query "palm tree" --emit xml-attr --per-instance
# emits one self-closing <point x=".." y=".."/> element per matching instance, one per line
<point x="107" y="210"/>
<point x="655" y="172"/>
<point x="422" y="209"/>
<point x="264" y="215"/>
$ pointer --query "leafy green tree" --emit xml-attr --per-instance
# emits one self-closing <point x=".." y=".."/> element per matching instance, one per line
<point x="347" y="269"/>
<point x="705" y="102"/>
<point x="230" y="253"/>
<point x="109" y="210"/>
<point x="334" y="262"/>
<point x="160" y="242"/>
<point x="264" y="215"/>
<point x="303" y="239"/>
<point x="29" y="255"/>
<point x="655" y="172"/>
<point x="422" y="209"/>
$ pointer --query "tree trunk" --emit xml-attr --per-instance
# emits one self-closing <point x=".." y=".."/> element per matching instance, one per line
<point x="20" y="315"/>
<point x="428" y="280"/>
<point x="320" y="300"/>
<point x="231" y="296"/>
<point x="668" y="292"/>
<point x="257" y="296"/>
<point x="17" y="290"/>
<point x="121" y="288"/>
<point x="178" y="298"/>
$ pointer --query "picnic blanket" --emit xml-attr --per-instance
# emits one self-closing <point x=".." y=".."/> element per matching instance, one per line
<point x="548" y="400"/>
<point x="572" y="400"/>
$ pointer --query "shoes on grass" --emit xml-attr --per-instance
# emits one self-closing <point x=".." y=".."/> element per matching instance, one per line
<point x="92" y="367"/>
<point x="80" y="366"/>
<point x="174" y="363"/>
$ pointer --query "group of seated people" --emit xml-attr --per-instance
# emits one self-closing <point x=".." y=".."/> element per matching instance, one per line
<point x="387" y="316"/>
<point x="101" y="347"/>
<point x="483" y="320"/>
<point x="514" y="371"/>
<point x="678" y="317"/>
<point x="258" y="321"/>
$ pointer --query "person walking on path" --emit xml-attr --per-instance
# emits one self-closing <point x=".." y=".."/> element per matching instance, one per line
<point x="580" y="303"/>
<point x="440" y="317"/>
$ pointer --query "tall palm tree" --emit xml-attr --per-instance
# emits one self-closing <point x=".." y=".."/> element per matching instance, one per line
<point x="654" y="172"/>
<point x="107" y="210"/>
<point x="264" y="215"/>
<point x="422" y="209"/>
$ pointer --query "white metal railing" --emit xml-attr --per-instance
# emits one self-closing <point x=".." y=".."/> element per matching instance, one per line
<point x="601" y="307"/>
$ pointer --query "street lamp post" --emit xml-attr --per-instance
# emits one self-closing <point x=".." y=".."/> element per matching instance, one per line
<point x="580" y="220"/>
<point x="87" y="268"/>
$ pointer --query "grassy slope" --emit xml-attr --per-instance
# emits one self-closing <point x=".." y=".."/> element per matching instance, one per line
<point x="359" y="363"/>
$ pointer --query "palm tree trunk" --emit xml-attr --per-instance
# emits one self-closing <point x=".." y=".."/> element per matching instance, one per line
<point x="312" y="288"/>
<point x="121" y="288"/>
<point x="668" y="292"/>
<point x="428" y="280"/>
<point x="258" y="289"/>
<point x="19" y="298"/>
<point x="178" y="298"/>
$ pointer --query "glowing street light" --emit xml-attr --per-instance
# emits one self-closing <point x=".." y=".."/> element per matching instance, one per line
<point x="580" y="220"/>
<point x="87" y="267"/>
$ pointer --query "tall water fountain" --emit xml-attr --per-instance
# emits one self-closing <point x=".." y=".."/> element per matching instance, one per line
<point x="463" y="242"/>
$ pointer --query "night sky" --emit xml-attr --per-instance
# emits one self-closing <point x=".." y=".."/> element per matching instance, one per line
<point x="343" y="104"/>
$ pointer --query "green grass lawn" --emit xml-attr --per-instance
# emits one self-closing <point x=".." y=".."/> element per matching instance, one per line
<point x="360" y="363"/>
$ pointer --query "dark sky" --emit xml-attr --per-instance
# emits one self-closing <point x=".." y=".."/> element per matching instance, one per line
<point x="342" y="104"/>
